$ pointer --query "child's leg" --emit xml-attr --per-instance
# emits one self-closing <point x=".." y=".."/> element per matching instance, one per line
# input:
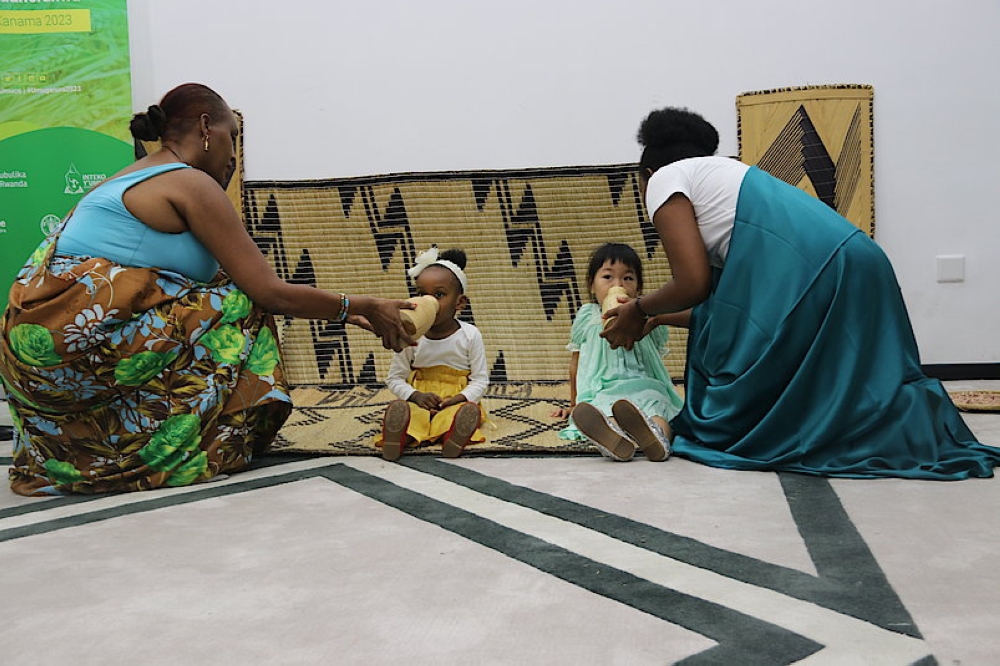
<point x="467" y="420"/>
<point x="649" y="433"/>
<point x="609" y="440"/>
<point x="665" y="427"/>
<point x="394" y="425"/>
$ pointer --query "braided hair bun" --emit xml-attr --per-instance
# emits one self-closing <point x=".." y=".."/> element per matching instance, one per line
<point x="148" y="125"/>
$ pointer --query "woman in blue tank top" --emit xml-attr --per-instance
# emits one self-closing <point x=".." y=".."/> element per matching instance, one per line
<point x="130" y="360"/>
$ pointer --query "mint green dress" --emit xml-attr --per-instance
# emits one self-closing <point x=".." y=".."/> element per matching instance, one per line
<point x="605" y="375"/>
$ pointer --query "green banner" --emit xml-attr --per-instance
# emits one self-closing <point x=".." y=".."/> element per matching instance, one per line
<point x="65" y="102"/>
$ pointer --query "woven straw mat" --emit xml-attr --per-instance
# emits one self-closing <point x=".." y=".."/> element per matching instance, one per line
<point x="528" y="235"/>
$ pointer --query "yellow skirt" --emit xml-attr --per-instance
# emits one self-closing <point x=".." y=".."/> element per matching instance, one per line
<point x="446" y="382"/>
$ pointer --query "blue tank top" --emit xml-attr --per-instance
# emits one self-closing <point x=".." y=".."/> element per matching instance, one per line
<point x="101" y="226"/>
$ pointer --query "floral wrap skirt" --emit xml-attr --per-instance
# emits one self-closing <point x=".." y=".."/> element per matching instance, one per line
<point x="122" y="379"/>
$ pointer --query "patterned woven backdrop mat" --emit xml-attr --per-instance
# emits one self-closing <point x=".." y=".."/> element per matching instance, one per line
<point x="345" y="420"/>
<point x="528" y="235"/>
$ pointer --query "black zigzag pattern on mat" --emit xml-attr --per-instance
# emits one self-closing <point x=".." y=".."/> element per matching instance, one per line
<point x="329" y="338"/>
<point x="346" y="420"/>
<point x="617" y="184"/>
<point x="523" y="228"/>
<point x="391" y="224"/>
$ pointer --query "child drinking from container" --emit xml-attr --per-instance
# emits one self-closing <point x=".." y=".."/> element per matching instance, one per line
<point x="439" y="382"/>
<point x="632" y="387"/>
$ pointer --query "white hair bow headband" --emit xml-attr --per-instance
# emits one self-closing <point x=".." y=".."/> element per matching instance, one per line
<point x="430" y="258"/>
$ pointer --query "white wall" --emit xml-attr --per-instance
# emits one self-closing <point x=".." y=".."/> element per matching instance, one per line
<point x="336" y="88"/>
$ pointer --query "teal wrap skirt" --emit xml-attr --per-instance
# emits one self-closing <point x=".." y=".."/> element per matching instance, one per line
<point x="803" y="358"/>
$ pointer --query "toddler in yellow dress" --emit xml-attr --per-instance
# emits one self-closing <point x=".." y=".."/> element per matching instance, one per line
<point x="440" y="381"/>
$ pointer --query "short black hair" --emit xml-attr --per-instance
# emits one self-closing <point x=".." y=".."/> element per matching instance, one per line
<point x="674" y="133"/>
<point x="615" y="253"/>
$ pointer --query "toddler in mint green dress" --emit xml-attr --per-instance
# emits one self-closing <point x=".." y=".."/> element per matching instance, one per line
<point x="632" y="387"/>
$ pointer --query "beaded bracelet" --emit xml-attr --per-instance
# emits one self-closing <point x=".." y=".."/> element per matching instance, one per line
<point x="344" y="304"/>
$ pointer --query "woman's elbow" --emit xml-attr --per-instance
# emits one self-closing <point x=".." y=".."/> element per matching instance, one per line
<point x="274" y="298"/>
<point x="696" y="291"/>
<point x="702" y="290"/>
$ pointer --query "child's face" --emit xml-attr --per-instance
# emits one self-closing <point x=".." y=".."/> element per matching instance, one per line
<point x="615" y="274"/>
<point x="441" y="283"/>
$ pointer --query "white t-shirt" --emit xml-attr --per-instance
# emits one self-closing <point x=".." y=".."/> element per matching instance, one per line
<point x="712" y="184"/>
<point x="462" y="350"/>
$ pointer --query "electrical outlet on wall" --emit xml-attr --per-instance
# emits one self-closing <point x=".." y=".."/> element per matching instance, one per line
<point x="950" y="267"/>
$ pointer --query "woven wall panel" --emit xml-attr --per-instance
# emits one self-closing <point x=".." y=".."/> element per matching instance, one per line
<point x="819" y="138"/>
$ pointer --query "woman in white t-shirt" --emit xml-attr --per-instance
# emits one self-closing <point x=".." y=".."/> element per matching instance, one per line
<point x="801" y="356"/>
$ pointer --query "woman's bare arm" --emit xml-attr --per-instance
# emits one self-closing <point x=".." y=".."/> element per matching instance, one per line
<point x="680" y="319"/>
<point x="208" y="213"/>
<point x="677" y="227"/>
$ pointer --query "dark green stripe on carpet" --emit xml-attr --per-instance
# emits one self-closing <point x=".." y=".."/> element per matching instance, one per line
<point x="850" y="580"/>
<point x="742" y="639"/>
<point x="154" y="502"/>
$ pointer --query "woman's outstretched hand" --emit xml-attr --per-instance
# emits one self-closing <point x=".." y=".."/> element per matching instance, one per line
<point x="627" y="327"/>
<point x="381" y="317"/>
